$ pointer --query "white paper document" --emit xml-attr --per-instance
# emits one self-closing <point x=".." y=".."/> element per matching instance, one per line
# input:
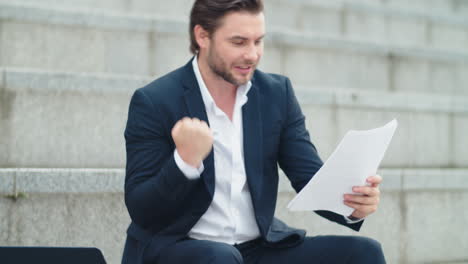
<point x="357" y="157"/>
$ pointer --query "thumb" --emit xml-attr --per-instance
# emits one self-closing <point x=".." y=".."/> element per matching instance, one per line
<point x="176" y="128"/>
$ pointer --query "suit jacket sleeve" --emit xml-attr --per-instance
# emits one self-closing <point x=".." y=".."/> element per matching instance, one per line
<point x="298" y="157"/>
<point x="154" y="185"/>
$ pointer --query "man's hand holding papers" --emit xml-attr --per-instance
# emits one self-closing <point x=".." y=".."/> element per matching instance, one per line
<point x="365" y="199"/>
<point x="348" y="183"/>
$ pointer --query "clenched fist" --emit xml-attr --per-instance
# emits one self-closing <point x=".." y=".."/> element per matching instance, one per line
<point x="193" y="139"/>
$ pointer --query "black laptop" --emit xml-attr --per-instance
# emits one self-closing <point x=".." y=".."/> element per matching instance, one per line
<point x="51" y="255"/>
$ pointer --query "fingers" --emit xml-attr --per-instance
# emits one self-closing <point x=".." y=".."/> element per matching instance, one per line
<point x="374" y="181"/>
<point x="366" y="199"/>
<point x="189" y="122"/>
<point x="176" y="127"/>
<point x="363" y="205"/>
<point x="367" y="190"/>
<point x="193" y="140"/>
<point x="362" y="199"/>
<point x="361" y="211"/>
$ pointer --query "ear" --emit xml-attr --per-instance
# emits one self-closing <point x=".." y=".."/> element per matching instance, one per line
<point x="201" y="36"/>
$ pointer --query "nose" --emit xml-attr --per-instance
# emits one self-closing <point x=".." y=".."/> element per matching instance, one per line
<point x="252" y="53"/>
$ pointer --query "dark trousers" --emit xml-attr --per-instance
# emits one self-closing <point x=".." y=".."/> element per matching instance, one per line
<point x="319" y="249"/>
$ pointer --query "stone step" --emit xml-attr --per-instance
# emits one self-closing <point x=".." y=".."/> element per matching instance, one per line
<point x="18" y="181"/>
<point x="449" y="7"/>
<point x="65" y="40"/>
<point x="366" y="20"/>
<point x="370" y="21"/>
<point x="86" y="208"/>
<point x="181" y="8"/>
<point x="77" y="120"/>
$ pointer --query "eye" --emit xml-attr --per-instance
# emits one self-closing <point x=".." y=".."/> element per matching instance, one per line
<point x="238" y="42"/>
<point x="258" y="42"/>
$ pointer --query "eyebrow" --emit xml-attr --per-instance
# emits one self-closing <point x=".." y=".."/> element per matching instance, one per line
<point x="244" y="38"/>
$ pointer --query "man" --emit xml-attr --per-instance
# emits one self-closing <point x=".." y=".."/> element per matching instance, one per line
<point x="203" y="145"/>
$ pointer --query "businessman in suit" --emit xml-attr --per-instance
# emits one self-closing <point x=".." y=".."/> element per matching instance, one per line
<point x="203" y="147"/>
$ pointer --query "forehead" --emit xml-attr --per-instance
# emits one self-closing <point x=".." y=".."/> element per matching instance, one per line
<point x="242" y="24"/>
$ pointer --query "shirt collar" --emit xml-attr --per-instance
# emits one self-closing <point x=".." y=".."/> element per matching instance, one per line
<point x="241" y="96"/>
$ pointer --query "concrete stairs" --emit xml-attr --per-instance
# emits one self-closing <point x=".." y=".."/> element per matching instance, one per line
<point x="68" y="69"/>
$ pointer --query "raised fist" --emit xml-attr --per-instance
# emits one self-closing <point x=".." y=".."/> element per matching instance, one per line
<point x="193" y="139"/>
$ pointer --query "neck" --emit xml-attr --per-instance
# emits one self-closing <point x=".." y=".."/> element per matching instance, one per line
<point x="219" y="89"/>
<point x="222" y="92"/>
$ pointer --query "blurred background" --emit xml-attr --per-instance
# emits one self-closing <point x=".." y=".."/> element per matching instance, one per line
<point x="69" y="67"/>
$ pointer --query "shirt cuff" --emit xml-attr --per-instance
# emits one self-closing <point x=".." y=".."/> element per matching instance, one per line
<point x="349" y="221"/>
<point x="189" y="171"/>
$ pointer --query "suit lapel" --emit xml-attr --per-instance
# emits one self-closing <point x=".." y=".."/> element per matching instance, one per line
<point x="252" y="128"/>
<point x="196" y="108"/>
<point x="253" y="143"/>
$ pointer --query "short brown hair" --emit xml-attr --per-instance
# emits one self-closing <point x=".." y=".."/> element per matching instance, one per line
<point x="208" y="13"/>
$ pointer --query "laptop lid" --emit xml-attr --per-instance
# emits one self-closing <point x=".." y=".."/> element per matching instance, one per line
<point x="51" y="255"/>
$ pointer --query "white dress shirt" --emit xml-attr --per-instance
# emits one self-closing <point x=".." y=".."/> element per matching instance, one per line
<point x="230" y="218"/>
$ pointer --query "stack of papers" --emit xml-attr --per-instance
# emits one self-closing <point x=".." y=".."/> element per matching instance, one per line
<point x="357" y="157"/>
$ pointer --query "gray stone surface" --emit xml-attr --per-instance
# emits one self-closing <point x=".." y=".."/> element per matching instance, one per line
<point x="272" y="59"/>
<point x="61" y="47"/>
<point x="20" y="80"/>
<point x="70" y="180"/>
<point x="436" y="226"/>
<point x="443" y="79"/>
<point x="460" y="140"/>
<point x="435" y="180"/>
<point x="462" y="75"/>
<point x="410" y="75"/>
<point x="397" y="180"/>
<point x="321" y="123"/>
<point x="323" y="18"/>
<point x="33" y="180"/>
<point x="5" y="221"/>
<point x="75" y="125"/>
<point x="66" y="180"/>
<point x="363" y="25"/>
<point x="171" y="51"/>
<point x="170" y="9"/>
<point x="392" y="179"/>
<point x="7" y="182"/>
<point x="404" y="101"/>
<point x="426" y="76"/>
<point x="446" y="6"/>
<point x="326" y="67"/>
<point x="97" y="220"/>
<point x="398" y="24"/>
<point x="449" y="36"/>
<point x="79" y="120"/>
<point x="417" y="128"/>
<point x="407" y="31"/>
<point x="281" y="13"/>
<point x="125" y="44"/>
<point x="80" y="130"/>
<point x="41" y="14"/>
<point x="91" y="212"/>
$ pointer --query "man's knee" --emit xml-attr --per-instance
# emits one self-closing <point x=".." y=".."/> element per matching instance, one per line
<point x="366" y="250"/>
<point x="200" y="251"/>
<point x="224" y="253"/>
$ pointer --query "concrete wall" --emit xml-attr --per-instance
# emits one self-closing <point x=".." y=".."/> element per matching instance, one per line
<point x="68" y="69"/>
<point x="84" y="207"/>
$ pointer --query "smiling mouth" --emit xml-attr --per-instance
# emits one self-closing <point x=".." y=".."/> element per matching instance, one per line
<point x="244" y="69"/>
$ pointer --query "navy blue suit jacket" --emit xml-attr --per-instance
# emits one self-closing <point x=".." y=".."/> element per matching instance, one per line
<point x="164" y="205"/>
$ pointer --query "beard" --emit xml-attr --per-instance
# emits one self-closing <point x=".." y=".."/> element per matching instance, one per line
<point x="220" y="68"/>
